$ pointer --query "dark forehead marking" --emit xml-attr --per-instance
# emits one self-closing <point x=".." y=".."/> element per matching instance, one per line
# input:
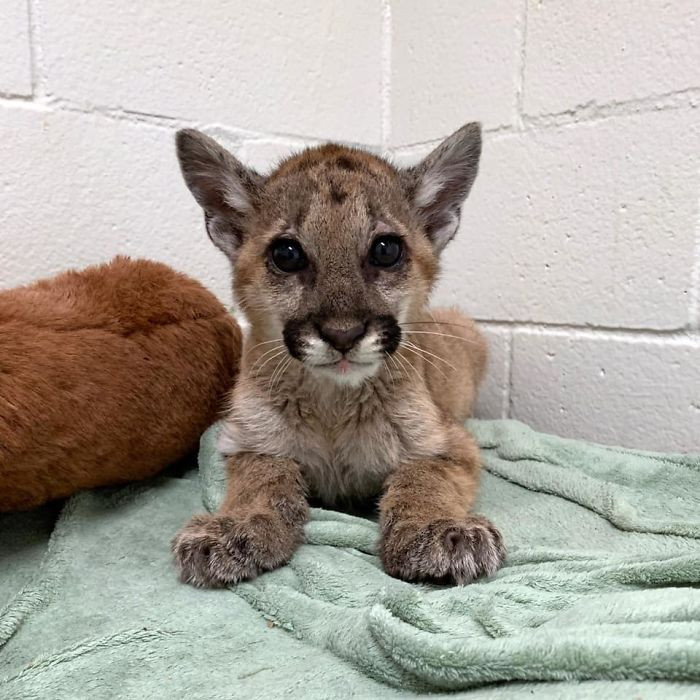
<point x="299" y="216"/>
<point x="372" y="210"/>
<point x="344" y="163"/>
<point x="334" y="156"/>
<point x="338" y="196"/>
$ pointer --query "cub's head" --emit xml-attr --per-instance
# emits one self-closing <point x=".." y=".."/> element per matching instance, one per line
<point x="335" y="248"/>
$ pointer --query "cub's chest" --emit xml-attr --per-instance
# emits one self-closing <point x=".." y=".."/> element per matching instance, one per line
<point x="348" y="452"/>
<point x="345" y="448"/>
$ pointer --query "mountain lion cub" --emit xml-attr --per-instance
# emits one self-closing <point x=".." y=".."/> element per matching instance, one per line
<point x="349" y="387"/>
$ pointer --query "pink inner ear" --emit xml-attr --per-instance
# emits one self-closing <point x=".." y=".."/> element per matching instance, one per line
<point x="428" y="189"/>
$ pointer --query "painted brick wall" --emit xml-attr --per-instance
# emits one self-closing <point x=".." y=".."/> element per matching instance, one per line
<point x="580" y="246"/>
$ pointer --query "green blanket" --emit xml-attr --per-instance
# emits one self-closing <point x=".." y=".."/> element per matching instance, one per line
<point x="599" y="596"/>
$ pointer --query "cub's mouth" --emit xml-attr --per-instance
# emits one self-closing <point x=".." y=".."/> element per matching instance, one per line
<point x="344" y="366"/>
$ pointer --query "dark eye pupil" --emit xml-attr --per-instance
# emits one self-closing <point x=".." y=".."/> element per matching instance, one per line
<point x="288" y="255"/>
<point x="386" y="251"/>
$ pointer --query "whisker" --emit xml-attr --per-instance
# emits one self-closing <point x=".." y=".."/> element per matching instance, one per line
<point x="436" y="323"/>
<point x="280" y="351"/>
<point x="289" y="362"/>
<point x="271" y="380"/>
<point x="431" y="354"/>
<point x="274" y="381"/>
<point x="267" y="352"/>
<point x="444" y="335"/>
<point x="387" y="356"/>
<point x="265" y="342"/>
<point x="419" y="351"/>
<point x="279" y="346"/>
<point x="410" y="364"/>
<point x="394" y="363"/>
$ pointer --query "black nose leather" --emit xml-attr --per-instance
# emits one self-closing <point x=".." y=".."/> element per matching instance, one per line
<point x="342" y="339"/>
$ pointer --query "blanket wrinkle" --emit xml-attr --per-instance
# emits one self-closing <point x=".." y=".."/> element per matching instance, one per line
<point x="38" y="591"/>
<point x="88" y="646"/>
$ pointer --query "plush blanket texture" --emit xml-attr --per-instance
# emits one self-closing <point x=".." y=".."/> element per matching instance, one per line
<point x="599" y="596"/>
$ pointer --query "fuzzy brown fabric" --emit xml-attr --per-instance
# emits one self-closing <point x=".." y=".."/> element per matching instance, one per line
<point x="107" y="375"/>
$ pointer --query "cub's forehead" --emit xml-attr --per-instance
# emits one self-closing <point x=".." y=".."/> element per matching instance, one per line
<point x="340" y="180"/>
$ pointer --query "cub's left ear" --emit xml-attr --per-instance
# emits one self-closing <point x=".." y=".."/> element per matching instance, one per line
<point x="439" y="184"/>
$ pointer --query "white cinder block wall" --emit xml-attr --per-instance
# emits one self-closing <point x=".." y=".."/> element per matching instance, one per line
<point x="580" y="245"/>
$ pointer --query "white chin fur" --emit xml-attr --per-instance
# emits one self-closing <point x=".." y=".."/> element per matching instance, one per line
<point x="354" y="376"/>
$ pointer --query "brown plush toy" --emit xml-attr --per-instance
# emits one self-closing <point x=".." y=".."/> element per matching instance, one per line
<point x="107" y="375"/>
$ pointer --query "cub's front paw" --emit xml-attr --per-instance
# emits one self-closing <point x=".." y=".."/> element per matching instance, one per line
<point x="446" y="551"/>
<point x="216" y="550"/>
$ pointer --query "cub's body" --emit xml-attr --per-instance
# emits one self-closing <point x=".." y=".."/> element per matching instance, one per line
<point x="348" y="441"/>
<point x="349" y="386"/>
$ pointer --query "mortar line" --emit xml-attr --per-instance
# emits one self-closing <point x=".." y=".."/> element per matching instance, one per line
<point x="521" y="30"/>
<point x="592" y="112"/>
<point x="561" y="120"/>
<point x="12" y="97"/>
<point x="385" y="97"/>
<point x="694" y="306"/>
<point x="595" y="332"/>
<point x="160" y="121"/>
<point x="35" y="53"/>
<point x="585" y="114"/>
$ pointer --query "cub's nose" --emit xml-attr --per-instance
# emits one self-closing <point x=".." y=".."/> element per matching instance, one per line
<point x="342" y="339"/>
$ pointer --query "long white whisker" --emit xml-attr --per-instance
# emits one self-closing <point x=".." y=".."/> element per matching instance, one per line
<point x="431" y="354"/>
<point x="265" y="342"/>
<point x="393" y="362"/>
<point x="284" y="369"/>
<point x="435" y="323"/>
<point x="415" y="349"/>
<point x="271" y="350"/>
<point x="444" y="335"/>
<point x="410" y="364"/>
<point x="272" y="377"/>
<point x="275" y="380"/>
<point x="264" y="355"/>
<point x="280" y="351"/>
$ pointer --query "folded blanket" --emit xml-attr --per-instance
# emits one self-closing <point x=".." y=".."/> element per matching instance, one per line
<point x="599" y="596"/>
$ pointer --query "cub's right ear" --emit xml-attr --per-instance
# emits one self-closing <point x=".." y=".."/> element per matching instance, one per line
<point x="223" y="186"/>
<point x="438" y="185"/>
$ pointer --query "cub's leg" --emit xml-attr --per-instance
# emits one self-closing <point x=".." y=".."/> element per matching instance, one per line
<point x="426" y="532"/>
<point x="258" y="527"/>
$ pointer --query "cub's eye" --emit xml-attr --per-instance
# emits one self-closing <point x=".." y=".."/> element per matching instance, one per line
<point x="386" y="251"/>
<point x="287" y="255"/>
